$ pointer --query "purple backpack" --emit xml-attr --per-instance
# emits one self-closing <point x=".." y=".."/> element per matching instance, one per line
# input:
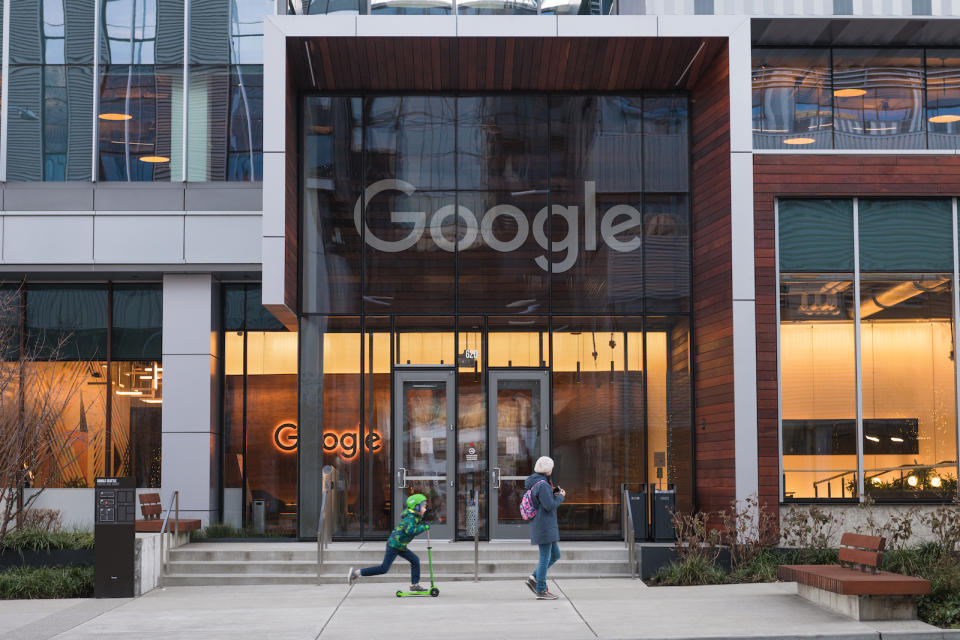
<point x="527" y="510"/>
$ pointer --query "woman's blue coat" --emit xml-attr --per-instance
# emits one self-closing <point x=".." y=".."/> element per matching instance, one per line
<point x="543" y="527"/>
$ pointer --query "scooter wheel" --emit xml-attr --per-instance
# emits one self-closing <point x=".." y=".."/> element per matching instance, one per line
<point x="434" y="592"/>
<point x="399" y="594"/>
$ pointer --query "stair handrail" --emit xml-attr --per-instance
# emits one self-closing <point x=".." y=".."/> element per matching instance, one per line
<point x="327" y="475"/>
<point x="175" y="506"/>
<point x="629" y="537"/>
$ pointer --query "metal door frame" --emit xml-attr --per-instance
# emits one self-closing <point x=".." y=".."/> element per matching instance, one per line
<point x="423" y="374"/>
<point x="512" y="531"/>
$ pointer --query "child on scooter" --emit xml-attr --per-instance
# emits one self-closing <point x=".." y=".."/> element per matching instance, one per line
<point x="411" y="525"/>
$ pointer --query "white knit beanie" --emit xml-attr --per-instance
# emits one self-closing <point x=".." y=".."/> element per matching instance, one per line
<point x="544" y="465"/>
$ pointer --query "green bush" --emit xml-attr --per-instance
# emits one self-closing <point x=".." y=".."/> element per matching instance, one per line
<point x="46" y="582"/>
<point x="38" y="539"/>
<point x="931" y="562"/>
<point x="692" y="570"/>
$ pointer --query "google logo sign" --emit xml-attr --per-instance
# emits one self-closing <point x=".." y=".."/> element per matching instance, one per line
<point x="343" y="443"/>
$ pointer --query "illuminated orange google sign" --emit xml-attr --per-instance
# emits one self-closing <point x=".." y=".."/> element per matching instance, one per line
<point x="344" y="443"/>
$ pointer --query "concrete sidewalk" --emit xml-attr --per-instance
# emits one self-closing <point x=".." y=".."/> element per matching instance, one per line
<point x="588" y="609"/>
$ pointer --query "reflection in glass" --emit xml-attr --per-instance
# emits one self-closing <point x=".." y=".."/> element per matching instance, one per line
<point x="411" y="7"/>
<point x="140" y="123"/>
<point x="137" y="332"/>
<point x="377" y="471"/>
<point x="228" y="31"/>
<point x="332" y="245"/>
<point x="495" y="7"/>
<point x="906" y="234"/>
<point x="141" y="32"/>
<point x="71" y="316"/>
<point x="943" y="98"/>
<point x="909" y="395"/>
<point x="878" y="99"/>
<point x="225" y="120"/>
<point x="665" y="144"/>
<point x="518" y="419"/>
<point x="818" y="385"/>
<point x="666" y="250"/>
<point x="791" y="99"/>
<point x="424" y="445"/>
<point x="49" y="130"/>
<point x="322" y="7"/>
<point x="39" y="32"/>
<point x="411" y="138"/>
<point x="471" y="427"/>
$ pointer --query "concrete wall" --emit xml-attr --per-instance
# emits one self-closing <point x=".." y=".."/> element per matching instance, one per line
<point x="851" y="517"/>
<point x="148" y="560"/>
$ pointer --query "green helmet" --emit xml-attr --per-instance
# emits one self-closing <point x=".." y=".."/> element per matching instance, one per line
<point x="415" y="499"/>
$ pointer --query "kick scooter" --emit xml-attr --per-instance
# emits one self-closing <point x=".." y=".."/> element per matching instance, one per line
<point x="434" y="591"/>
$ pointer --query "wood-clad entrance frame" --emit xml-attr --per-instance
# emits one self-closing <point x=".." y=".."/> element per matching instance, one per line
<point x="708" y="57"/>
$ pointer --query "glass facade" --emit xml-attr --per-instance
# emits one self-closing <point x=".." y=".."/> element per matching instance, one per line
<point x="523" y="257"/>
<point x="856" y="98"/>
<point x="446" y="7"/>
<point x="104" y="340"/>
<point x="132" y="90"/>
<point x="260" y="432"/>
<point x="867" y="366"/>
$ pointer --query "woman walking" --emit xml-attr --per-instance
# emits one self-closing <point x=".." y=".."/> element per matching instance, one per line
<point x="543" y="528"/>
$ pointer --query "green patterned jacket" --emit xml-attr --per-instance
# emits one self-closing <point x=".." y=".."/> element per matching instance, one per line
<point x="410" y="527"/>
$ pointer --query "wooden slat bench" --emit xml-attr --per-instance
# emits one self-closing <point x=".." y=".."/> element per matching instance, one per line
<point x="151" y="509"/>
<point x="857" y="587"/>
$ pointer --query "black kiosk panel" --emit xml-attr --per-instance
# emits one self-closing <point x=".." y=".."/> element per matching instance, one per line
<point x="114" y="537"/>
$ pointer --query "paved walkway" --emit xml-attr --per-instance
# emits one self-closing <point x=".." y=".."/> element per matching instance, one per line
<point x="587" y="609"/>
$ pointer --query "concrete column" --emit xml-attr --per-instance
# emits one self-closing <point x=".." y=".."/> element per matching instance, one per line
<point x="191" y="407"/>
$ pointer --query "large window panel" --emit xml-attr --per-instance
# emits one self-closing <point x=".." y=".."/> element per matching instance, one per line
<point x="332" y="245"/>
<point x="943" y="98"/>
<point x="666" y="151"/>
<point x="818" y="385"/>
<point x="815" y="235"/>
<point x="878" y="99"/>
<point x="408" y="8"/>
<point x="137" y="332"/>
<point x="666" y="251"/>
<point x="909" y="394"/>
<point x="141" y="123"/>
<point x="50" y="111"/>
<point x="69" y="321"/>
<point x="225" y="121"/>
<point x="135" y="434"/>
<point x="912" y="234"/>
<point x="141" y="32"/>
<point x="792" y="103"/>
<point x="228" y="31"/>
<point x="51" y="32"/>
<point x="501" y="7"/>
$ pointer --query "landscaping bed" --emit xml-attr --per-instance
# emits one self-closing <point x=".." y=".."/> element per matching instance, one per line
<point x="22" y="583"/>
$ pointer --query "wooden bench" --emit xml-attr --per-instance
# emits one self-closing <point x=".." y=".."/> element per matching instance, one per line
<point x="151" y="509"/>
<point x="857" y="587"/>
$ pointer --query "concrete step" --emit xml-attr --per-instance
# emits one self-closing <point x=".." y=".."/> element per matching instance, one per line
<point x="398" y="581"/>
<point x="566" y="568"/>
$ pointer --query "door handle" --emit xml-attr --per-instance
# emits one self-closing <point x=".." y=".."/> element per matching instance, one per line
<point x="495" y="477"/>
<point x="401" y="478"/>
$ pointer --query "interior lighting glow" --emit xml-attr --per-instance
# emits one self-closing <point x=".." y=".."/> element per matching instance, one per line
<point x="912" y="481"/>
<point x="872" y="438"/>
<point x="849" y="93"/>
<point x="154" y="159"/>
<point x="935" y="481"/>
<point x="799" y="141"/>
<point x="129" y="393"/>
<point x="877" y="481"/>
<point x="945" y="119"/>
<point x="115" y="116"/>
<point x="152" y="400"/>
<point x="146" y="377"/>
<point x="895" y="439"/>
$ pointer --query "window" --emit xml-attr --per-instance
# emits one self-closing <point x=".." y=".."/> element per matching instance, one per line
<point x="902" y="328"/>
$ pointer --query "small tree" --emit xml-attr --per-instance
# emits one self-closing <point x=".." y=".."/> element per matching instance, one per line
<point x="36" y="440"/>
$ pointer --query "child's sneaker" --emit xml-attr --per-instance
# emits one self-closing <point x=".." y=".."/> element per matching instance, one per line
<point x="352" y="576"/>
<point x="531" y="583"/>
<point x="545" y="595"/>
<point x="417" y="588"/>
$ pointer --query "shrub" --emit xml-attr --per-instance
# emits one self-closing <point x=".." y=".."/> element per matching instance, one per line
<point x="944" y="524"/>
<point x="748" y="528"/>
<point x="811" y="528"/>
<point x="692" y="570"/>
<point x="35" y="539"/>
<point x="220" y="530"/>
<point x="46" y="582"/>
<point x="695" y="538"/>
<point x="45" y="519"/>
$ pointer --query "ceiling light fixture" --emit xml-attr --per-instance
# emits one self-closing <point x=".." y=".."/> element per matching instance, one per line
<point x="799" y="141"/>
<point x="152" y="400"/>
<point x="154" y="159"/>
<point x="945" y="119"/>
<point x="116" y="116"/>
<point x="129" y="393"/>
<point x="849" y="93"/>
<point x="872" y="438"/>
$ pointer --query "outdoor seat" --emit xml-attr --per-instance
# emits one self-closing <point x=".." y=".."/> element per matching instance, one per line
<point x="857" y="587"/>
<point x="151" y="509"/>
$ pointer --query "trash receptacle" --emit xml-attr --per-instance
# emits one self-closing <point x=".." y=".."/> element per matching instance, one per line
<point x="638" y="508"/>
<point x="664" y="504"/>
<point x="258" y="515"/>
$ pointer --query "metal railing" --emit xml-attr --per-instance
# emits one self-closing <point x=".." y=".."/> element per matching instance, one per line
<point x="175" y="507"/>
<point x="629" y="537"/>
<point x="324" y="525"/>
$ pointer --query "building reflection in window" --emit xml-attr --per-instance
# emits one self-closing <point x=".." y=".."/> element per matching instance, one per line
<point x="943" y="98"/>
<point x="792" y="104"/>
<point x="411" y="8"/>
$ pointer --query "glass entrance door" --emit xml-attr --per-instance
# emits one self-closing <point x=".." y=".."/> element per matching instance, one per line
<point x="424" y="437"/>
<point x="519" y="434"/>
